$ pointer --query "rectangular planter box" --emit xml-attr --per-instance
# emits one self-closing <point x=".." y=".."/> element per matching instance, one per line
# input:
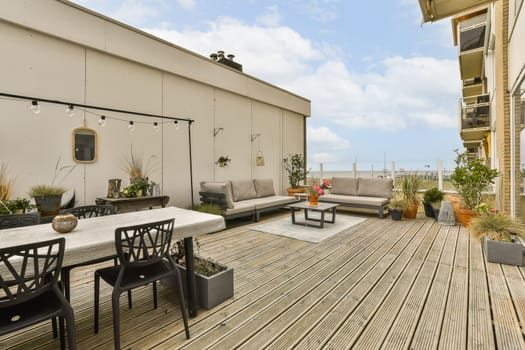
<point x="211" y="291"/>
<point x="510" y="253"/>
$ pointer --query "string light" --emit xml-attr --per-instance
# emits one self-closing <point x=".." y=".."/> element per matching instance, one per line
<point x="35" y="108"/>
<point x="102" y="121"/>
<point x="177" y="126"/>
<point x="131" y="126"/>
<point x="156" y="126"/>
<point x="70" y="110"/>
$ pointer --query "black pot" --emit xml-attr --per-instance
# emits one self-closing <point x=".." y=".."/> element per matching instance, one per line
<point x="396" y="214"/>
<point x="429" y="210"/>
<point x="436" y="213"/>
<point x="48" y="205"/>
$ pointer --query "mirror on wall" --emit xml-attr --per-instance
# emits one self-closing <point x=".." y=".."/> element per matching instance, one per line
<point x="84" y="145"/>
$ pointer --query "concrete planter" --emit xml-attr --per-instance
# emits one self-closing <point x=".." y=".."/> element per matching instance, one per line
<point x="211" y="291"/>
<point x="510" y="253"/>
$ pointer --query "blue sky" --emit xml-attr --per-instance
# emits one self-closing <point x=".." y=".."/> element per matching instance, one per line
<point x="381" y="84"/>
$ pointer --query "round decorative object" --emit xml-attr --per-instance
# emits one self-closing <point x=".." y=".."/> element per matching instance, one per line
<point x="64" y="223"/>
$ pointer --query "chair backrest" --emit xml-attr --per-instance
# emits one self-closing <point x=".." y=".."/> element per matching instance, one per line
<point x="144" y="244"/>
<point x="89" y="211"/>
<point x="29" y="269"/>
<point x="19" y="220"/>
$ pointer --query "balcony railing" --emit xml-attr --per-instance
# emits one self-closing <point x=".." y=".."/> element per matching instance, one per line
<point x="475" y="112"/>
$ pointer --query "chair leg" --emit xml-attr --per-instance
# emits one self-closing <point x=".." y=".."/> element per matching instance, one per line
<point x="61" y="331"/>
<point x="154" y="294"/>
<point x="129" y="299"/>
<point x="116" y="318"/>
<point x="96" y="305"/>
<point x="70" y="327"/>
<point x="65" y="282"/>
<point x="54" y="327"/>
<point x="182" y="305"/>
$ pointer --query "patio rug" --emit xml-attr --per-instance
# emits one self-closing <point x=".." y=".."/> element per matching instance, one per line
<point x="284" y="227"/>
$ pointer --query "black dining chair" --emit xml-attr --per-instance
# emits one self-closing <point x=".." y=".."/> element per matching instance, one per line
<point x="29" y="288"/>
<point x="19" y="220"/>
<point x="143" y="252"/>
<point x="84" y="212"/>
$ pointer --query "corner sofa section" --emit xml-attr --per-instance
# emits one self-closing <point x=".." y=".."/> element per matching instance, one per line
<point x="239" y="198"/>
<point x="366" y="193"/>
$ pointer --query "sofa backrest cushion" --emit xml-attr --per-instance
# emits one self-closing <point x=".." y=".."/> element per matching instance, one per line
<point x="375" y="187"/>
<point x="264" y="187"/>
<point x="344" y="186"/>
<point x="219" y="187"/>
<point x="243" y="189"/>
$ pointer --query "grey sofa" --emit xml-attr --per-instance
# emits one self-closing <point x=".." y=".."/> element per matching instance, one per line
<point x="239" y="198"/>
<point x="366" y="193"/>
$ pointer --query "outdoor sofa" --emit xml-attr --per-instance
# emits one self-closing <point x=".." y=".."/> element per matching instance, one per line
<point x="239" y="198"/>
<point x="360" y="192"/>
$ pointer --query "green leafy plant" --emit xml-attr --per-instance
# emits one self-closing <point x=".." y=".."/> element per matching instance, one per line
<point x="19" y="204"/>
<point x="203" y="266"/>
<point x="434" y="196"/>
<point x="496" y="226"/>
<point x="410" y="186"/>
<point x="295" y="165"/>
<point x="470" y="178"/>
<point x="398" y="204"/>
<point x="223" y="161"/>
<point x="138" y="187"/>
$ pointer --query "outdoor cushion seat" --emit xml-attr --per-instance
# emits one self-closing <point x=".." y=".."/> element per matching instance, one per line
<point x="358" y="200"/>
<point x="267" y="202"/>
<point x="240" y="207"/>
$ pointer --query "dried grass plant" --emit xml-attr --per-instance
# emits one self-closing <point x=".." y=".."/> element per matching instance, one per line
<point x="496" y="226"/>
<point x="6" y="183"/>
<point x="135" y="166"/>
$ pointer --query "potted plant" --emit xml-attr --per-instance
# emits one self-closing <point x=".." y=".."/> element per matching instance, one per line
<point x="6" y="183"/>
<point x="209" y="208"/>
<point x="314" y="192"/>
<point x="138" y="188"/>
<point x="214" y="281"/>
<point x="498" y="232"/>
<point x="410" y="186"/>
<point x="470" y="178"/>
<point x="223" y="161"/>
<point x="295" y="165"/>
<point x="396" y="209"/>
<point x="18" y="205"/>
<point x="432" y="201"/>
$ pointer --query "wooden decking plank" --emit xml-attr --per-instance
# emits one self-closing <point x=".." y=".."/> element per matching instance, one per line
<point x="403" y="328"/>
<point x="506" y="323"/>
<point x="324" y="329"/>
<point x="301" y="298"/>
<point x="428" y="328"/>
<point x="516" y="285"/>
<point x="291" y="282"/>
<point x="383" y="301"/>
<point x="480" y="333"/>
<point x="454" y="328"/>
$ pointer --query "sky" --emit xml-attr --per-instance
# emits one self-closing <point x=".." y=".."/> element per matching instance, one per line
<point x="382" y="86"/>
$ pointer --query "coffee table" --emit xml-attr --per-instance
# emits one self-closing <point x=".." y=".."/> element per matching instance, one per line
<point x="322" y="207"/>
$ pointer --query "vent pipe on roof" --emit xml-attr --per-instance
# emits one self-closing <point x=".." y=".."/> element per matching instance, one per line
<point x="221" y="58"/>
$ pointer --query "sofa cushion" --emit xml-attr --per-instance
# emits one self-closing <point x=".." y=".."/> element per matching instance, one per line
<point x="243" y="189"/>
<point x="271" y="201"/>
<point x="356" y="200"/>
<point x="344" y="185"/>
<point x="375" y="187"/>
<point x="264" y="187"/>
<point x="219" y="187"/>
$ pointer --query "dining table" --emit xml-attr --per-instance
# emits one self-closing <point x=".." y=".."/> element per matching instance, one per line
<point x="94" y="238"/>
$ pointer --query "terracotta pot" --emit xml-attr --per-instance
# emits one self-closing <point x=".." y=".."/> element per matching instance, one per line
<point x="293" y="191"/>
<point x="313" y="199"/>
<point x="410" y="211"/>
<point x="464" y="216"/>
<point x="454" y="199"/>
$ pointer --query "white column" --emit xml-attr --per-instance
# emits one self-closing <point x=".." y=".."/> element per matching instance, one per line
<point x="321" y="173"/>
<point x="393" y="174"/>
<point x="354" y="169"/>
<point x="440" y="175"/>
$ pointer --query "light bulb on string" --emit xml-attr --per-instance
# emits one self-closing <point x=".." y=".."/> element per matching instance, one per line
<point x="131" y="126"/>
<point x="35" y="108"/>
<point x="102" y="121"/>
<point x="177" y="126"/>
<point x="70" y="110"/>
<point x="156" y="126"/>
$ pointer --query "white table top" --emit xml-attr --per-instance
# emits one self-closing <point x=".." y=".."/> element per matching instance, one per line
<point x="95" y="237"/>
<point x="322" y="206"/>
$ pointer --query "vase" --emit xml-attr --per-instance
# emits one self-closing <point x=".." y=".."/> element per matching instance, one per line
<point x="48" y="205"/>
<point x="464" y="216"/>
<point x="313" y="199"/>
<point x="410" y="211"/>
<point x="429" y="210"/>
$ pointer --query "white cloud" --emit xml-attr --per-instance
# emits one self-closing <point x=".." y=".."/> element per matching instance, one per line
<point x="186" y="4"/>
<point x="138" y="12"/>
<point x="271" y="17"/>
<point x="401" y="92"/>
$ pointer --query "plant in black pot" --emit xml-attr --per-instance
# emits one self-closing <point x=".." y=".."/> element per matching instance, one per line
<point x="396" y="209"/>
<point x="432" y="202"/>
<point x="499" y="232"/>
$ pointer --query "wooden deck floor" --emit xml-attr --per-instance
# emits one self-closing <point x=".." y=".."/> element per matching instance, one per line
<point x="379" y="285"/>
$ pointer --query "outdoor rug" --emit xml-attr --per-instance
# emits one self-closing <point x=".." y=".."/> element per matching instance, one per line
<point x="284" y="227"/>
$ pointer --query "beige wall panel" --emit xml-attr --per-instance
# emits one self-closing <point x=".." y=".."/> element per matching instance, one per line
<point x="187" y="99"/>
<point x="292" y="138"/>
<point x="517" y="50"/>
<point x="233" y="114"/>
<point x="266" y="120"/>
<point x="269" y="94"/>
<point x="38" y="65"/>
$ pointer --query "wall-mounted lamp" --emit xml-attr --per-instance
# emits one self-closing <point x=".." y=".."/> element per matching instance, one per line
<point x="259" y="158"/>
